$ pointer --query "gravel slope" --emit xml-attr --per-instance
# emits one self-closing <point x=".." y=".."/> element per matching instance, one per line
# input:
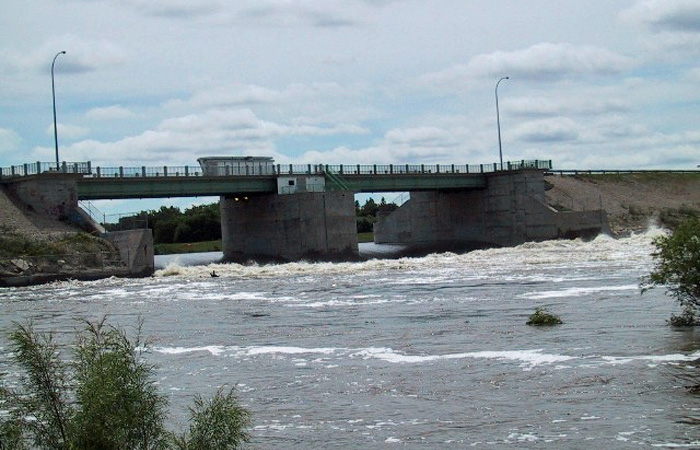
<point x="632" y="201"/>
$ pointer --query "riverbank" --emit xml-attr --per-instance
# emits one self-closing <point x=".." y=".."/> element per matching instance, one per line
<point x="632" y="201"/>
<point x="35" y="249"/>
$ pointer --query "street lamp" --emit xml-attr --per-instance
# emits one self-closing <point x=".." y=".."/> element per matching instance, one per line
<point x="498" y="122"/>
<point x="53" y="94"/>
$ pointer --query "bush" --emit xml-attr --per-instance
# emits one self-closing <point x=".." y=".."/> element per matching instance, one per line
<point x="105" y="399"/>
<point x="677" y="258"/>
<point x="543" y="318"/>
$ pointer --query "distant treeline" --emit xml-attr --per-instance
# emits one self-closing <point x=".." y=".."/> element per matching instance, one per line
<point x="203" y="223"/>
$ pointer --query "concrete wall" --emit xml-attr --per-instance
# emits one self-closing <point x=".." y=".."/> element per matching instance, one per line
<point x="136" y="250"/>
<point x="509" y="211"/>
<point x="289" y="227"/>
<point x="54" y="195"/>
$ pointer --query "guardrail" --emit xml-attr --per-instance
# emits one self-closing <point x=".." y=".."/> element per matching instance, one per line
<point x="323" y="169"/>
<point x="86" y="169"/>
<point x="43" y="167"/>
<point x="617" y="171"/>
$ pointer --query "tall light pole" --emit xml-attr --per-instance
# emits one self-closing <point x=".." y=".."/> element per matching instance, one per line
<point x="498" y="122"/>
<point x="53" y="95"/>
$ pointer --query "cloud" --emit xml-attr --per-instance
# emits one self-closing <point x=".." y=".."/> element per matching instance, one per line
<point x="586" y="104"/>
<point x="421" y="136"/>
<point x="179" y="140"/>
<point x="9" y="141"/>
<point x="82" y="55"/>
<point x="114" y="112"/>
<point x="665" y="15"/>
<point x="675" y="25"/>
<point x="540" y="62"/>
<point x="548" y="130"/>
<point x="69" y="132"/>
<point x="180" y="9"/>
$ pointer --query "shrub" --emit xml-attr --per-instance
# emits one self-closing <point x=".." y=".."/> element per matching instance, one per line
<point x="677" y="258"/>
<point x="105" y="399"/>
<point x="215" y="424"/>
<point x="542" y="317"/>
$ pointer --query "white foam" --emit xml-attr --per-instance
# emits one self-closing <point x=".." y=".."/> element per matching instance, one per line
<point x="528" y="358"/>
<point x="577" y="291"/>
<point x="288" y="350"/>
<point x="215" y="350"/>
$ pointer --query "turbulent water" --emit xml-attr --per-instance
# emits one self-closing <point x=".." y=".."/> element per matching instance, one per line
<point x="428" y="352"/>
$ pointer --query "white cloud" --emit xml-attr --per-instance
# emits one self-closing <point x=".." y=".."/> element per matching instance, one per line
<point x="82" y="55"/>
<point x="185" y="9"/>
<point x="540" y="62"/>
<point x="675" y="25"/>
<point x="548" y="130"/>
<point x="665" y="15"/>
<point x="114" y="112"/>
<point x="9" y="141"/>
<point x="66" y="131"/>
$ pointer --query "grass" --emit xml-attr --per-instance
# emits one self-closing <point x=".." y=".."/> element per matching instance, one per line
<point x="14" y="244"/>
<point x="365" y="237"/>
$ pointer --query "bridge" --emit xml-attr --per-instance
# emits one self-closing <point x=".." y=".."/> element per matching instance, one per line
<point x="292" y="212"/>
<point x="103" y="183"/>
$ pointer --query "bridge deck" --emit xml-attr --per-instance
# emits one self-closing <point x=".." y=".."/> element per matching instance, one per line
<point x="96" y="183"/>
<point x="159" y="187"/>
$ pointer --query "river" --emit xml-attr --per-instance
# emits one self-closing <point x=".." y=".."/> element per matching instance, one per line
<point x="428" y="352"/>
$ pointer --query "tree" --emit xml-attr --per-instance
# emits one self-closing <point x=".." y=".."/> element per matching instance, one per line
<point x="677" y="258"/>
<point x="105" y="399"/>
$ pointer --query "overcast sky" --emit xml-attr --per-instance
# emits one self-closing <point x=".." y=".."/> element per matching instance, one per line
<point x="593" y="84"/>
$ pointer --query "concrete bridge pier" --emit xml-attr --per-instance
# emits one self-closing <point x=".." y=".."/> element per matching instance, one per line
<point x="509" y="211"/>
<point x="305" y="225"/>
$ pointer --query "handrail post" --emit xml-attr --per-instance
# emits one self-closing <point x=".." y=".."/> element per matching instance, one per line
<point x="165" y="171"/>
<point x="374" y="169"/>
<point x="121" y="172"/>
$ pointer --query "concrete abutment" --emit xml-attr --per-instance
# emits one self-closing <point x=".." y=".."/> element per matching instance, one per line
<point x="307" y="225"/>
<point x="509" y="211"/>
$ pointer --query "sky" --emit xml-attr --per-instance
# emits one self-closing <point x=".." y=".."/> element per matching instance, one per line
<point x="598" y="84"/>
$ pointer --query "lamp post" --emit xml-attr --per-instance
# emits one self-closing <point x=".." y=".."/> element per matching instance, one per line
<point x="498" y="122"/>
<point x="53" y="95"/>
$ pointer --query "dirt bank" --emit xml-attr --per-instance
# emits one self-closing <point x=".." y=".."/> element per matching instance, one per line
<point x="36" y="249"/>
<point x="631" y="201"/>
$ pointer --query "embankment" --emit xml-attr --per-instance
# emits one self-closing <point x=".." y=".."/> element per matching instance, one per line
<point x="37" y="249"/>
<point x="631" y="200"/>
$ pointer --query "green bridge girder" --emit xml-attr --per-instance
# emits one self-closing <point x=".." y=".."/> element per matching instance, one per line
<point x="104" y="188"/>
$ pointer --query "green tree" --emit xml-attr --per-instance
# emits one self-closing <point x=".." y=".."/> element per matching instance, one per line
<point x="105" y="399"/>
<point x="677" y="259"/>
<point x="215" y="424"/>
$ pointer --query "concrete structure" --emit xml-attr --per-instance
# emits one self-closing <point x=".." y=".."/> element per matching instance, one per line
<point x="510" y="210"/>
<point x="305" y="225"/>
<point x="136" y="250"/>
<point x="237" y="165"/>
<point x="307" y="211"/>
<point x="54" y="195"/>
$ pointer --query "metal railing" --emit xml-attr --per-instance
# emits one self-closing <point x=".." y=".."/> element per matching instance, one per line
<point x="38" y="167"/>
<point x="87" y="170"/>
<point x="617" y="171"/>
